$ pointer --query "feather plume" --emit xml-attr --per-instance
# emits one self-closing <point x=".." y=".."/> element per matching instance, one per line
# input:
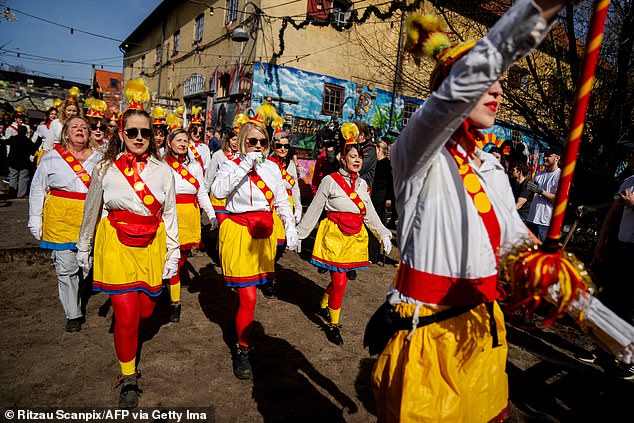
<point x="180" y="110"/>
<point x="19" y="110"/>
<point x="57" y="103"/>
<point x="173" y="121"/>
<point x="99" y="105"/>
<point x="240" y="120"/>
<point x="73" y="92"/>
<point x="158" y="113"/>
<point x="278" y="122"/>
<point x="350" y="131"/>
<point x="136" y="92"/>
<point x="425" y="36"/>
<point x="196" y="110"/>
<point x="267" y="113"/>
<point x="88" y="102"/>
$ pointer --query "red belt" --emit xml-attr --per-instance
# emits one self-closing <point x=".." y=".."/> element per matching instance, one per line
<point x="349" y="223"/>
<point x="68" y="194"/>
<point x="134" y="230"/>
<point x="186" y="199"/>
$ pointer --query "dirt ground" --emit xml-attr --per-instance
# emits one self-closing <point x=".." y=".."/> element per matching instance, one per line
<point x="297" y="374"/>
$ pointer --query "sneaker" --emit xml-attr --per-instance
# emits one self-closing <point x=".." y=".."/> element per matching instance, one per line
<point x="129" y="395"/>
<point x="73" y="325"/>
<point x="352" y="275"/>
<point x="268" y="290"/>
<point x="175" y="313"/>
<point x="585" y="357"/>
<point x="241" y="365"/>
<point x="623" y="371"/>
<point x="333" y="334"/>
<point x="324" y="314"/>
<point x="322" y="270"/>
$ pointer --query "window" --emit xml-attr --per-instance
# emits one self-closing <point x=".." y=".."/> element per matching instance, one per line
<point x="232" y="11"/>
<point x="159" y="55"/>
<point x="332" y="100"/>
<point x="177" y="40"/>
<point x="341" y="12"/>
<point x="200" y="23"/>
<point x="319" y="9"/>
<point x="408" y="111"/>
<point x="143" y="63"/>
<point x="114" y="83"/>
<point x="193" y="85"/>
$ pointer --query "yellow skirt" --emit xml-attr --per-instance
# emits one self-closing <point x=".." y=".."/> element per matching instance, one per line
<point x="61" y="222"/>
<point x="245" y="261"/>
<point x="279" y="233"/>
<point x="335" y="250"/>
<point x="218" y="205"/>
<point x="447" y="372"/>
<point x="119" y="268"/>
<point x="188" y="225"/>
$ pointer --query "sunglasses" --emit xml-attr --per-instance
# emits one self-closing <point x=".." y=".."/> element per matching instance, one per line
<point x="280" y="146"/>
<point x="96" y="127"/>
<point x="146" y="133"/>
<point x="254" y="141"/>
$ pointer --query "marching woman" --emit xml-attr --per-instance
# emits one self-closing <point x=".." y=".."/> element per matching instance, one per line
<point x="191" y="192"/>
<point x="341" y="243"/>
<point x="253" y="188"/>
<point x="68" y="109"/>
<point x="56" y="207"/>
<point x="198" y="150"/>
<point x="447" y="358"/>
<point x="97" y="121"/>
<point x="281" y="145"/>
<point x="159" y="126"/>
<point x="136" y="242"/>
<point x="45" y="132"/>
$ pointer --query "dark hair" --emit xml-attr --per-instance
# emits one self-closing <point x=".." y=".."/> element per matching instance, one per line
<point x="22" y="130"/>
<point x="363" y="129"/>
<point x="49" y="111"/>
<point x="160" y="128"/>
<point x="116" y="146"/>
<point x="190" y="129"/>
<point x="227" y="138"/>
<point x="521" y="167"/>
<point x="352" y="146"/>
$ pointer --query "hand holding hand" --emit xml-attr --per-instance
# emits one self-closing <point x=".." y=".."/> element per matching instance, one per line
<point x="387" y="244"/>
<point x="292" y="241"/>
<point x="534" y="187"/>
<point x="298" y="214"/>
<point x="171" y="267"/>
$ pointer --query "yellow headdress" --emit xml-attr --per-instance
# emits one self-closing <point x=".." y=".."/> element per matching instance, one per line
<point x="173" y="121"/>
<point x="277" y="125"/>
<point x="158" y="115"/>
<point x="264" y="115"/>
<point x="19" y="111"/>
<point x="350" y="132"/>
<point x="57" y="103"/>
<point x="195" y="119"/>
<point x="96" y="108"/>
<point x="137" y="93"/>
<point x="239" y="120"/>
<point x="73" y="95"/>
<point x="180" y="111"/>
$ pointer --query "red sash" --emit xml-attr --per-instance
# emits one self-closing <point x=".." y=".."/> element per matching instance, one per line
<point x="352" y="194"/>
<point x="258" y="223"/>
<point x="133" y="229"/>
<point x="196" y="154"/>
<point x="131" y="174"/>
<point x="74" y="164"/>
<point x="183" y="172"/>
<point x="230" y="156"/>
<point x="257" y="180"/>
<point x="349" y="223"/>
<point x="285" y="175"/>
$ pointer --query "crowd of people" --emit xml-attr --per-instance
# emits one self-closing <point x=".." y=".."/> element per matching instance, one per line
<point x="120" y="199"/>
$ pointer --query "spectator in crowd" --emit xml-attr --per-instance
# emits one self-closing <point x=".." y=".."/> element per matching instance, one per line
<point x="369" y="153"/>
<point x="382" y="194"/>
<point x="544" y="187"/>
<point x="214" y="140"/>
<point x="21" y="149"/>
<point x="519" y="180"/>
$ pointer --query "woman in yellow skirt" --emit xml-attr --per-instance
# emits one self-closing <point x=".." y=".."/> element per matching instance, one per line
<point x="136" y="244"/>
<point x="191" y="193"/>
<point x="341" y="243"/>
<point x="446" y="360"/>
<point x="254" y="190"/>
<point x="56" y="208"/>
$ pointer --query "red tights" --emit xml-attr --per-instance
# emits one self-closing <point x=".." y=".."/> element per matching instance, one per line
<point x="336" y="288"/>
<point x="181" y="262"/>
<point x="129" y="308"/>
<point x="245" y="310"/>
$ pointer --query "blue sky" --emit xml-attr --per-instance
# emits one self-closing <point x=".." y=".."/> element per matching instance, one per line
<point x="112" y="18"/>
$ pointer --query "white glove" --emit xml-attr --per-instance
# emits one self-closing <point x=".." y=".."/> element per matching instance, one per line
<point x="83" y="260"/>
<point x="214" y="223"/>
<point x="292" y="241"/>
<point x="35" y="227"/>
<point x="387" y="244"/>
<point x="171" y="267"/>
<point x="253" y="158"/>
<point x="298" y="214"/>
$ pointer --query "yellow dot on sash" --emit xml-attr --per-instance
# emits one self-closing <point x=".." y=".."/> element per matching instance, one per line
<point x="175" y="165"/>
<point x="463" y="169"/>
<point x="260" y="184"/>
<point x="128" y="171"/>
<point x="268" y="195"/>
<point x="482" y="202"/>
<point x="148" y="199"/>
<point x="361" y="206"/>
<point x="69" y="159"/>
<point x="139" y="186"/>
<point x="353" y="195"/>
<point x="471" y="183"/>
<point x="184" y="172"/>
<point x="192" y="180"/>
<point x="77" y="168"/>
<point x="85" y="177"/>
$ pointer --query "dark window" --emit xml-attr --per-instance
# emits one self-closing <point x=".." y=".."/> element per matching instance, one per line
<point x="200" y="24"/>
<point x="232" y="11"/>
<point x="332" y="100"/>
<point x="319" y="9"/>
<point x="408" y="111"/>
<point x="114" y="83"/>
<point x="177" y="40"/>
<point x="159" y="55"/>
<point x="340" y="11"/>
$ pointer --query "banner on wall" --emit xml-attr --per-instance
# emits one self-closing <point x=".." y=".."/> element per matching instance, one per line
<point x="303" y="132"/>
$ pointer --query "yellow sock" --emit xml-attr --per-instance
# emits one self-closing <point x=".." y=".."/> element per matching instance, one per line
<point x="128" y="368"/>
<point x="334" y="316"/>
<point x="324" y="301"/>
<point x="175" y="292"/>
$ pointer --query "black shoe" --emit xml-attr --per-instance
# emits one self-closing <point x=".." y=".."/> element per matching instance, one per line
<point x="620" y="370"/>
<point x="74" y="325"/>
<point x="268" y="290"/>
<point x="129" y="395"/>
<point x="585" y="357"/>
<point x="175" y="313"/>
<point x="333" y="334"/>
<point x="352" y="275"/>
<point x="324" y="314"/>
<point x="322" y="270"/>
<point x="241" y="365"/>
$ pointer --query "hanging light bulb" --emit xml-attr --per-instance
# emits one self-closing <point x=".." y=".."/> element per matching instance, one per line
<point x="211" y="11"/>
<point x="72" y="31"/>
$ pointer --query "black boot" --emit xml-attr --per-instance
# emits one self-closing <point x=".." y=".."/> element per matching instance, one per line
<point x="175" y="313"/>
<point x="324" y="314"/>
<point x="74" y="325"/>
<point x="352" y="274"/>
<point x="268" y="290"/>
<point x="241" y="364"/>
<point x="333" y="334"/>
<point x="129" y="395"/>
<point x="322" y="270"/>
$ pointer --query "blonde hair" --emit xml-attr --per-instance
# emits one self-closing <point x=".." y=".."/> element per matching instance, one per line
<point x="382" y="145"/>
<point x="64" y="137"/>
<point x="242" y="137"/>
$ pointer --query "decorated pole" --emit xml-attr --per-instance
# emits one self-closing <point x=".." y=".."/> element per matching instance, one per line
<point x="580" y="106"/>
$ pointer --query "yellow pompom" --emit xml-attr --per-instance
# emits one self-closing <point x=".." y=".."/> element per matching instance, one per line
<point x="19" y="109"/>
<point x="73" y="92"/>
<point x="173" y="121"/>
<point x="267" y="113"/>
<point x="349" y="131"/>
<point x="57" y="103"/>
<point x="99" y="105"/>
<point x="196" y="110"/>
<point x="88" y="102"/>
<point x="425" y="35"/>
<point x="180" y="110"/>
<point x="135" y="91"/>
<point x="278" y="122"/>
<point x="240" y="120"/>
<point x="158" y="113"/>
